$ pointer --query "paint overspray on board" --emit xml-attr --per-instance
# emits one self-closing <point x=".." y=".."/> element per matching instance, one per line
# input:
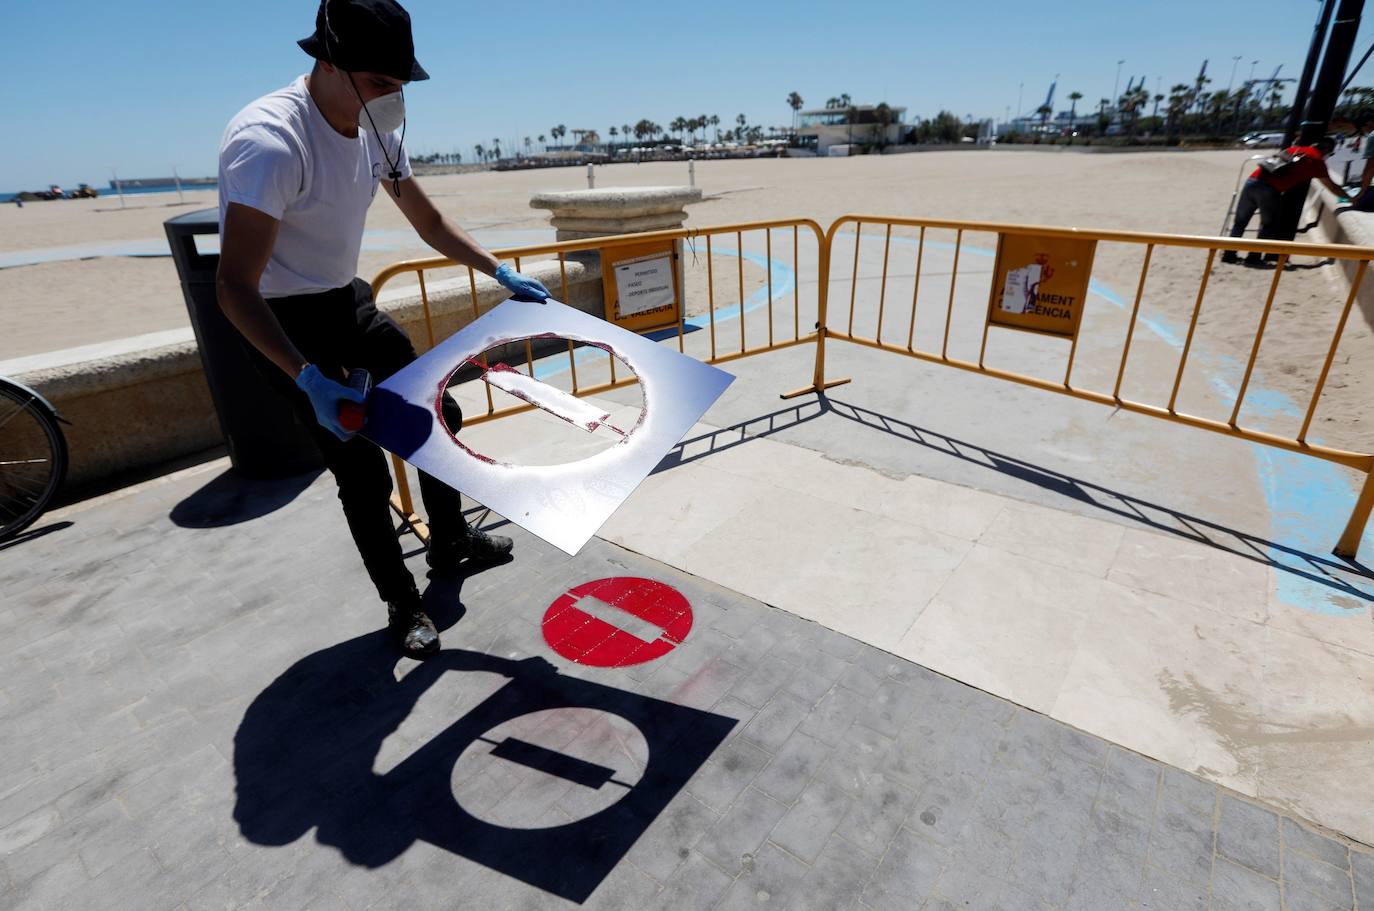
<point x="563" y="504"/>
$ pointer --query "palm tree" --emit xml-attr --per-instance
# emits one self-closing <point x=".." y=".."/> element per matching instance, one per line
<point x="543" y="143"/>
<point x="739" y="131"/>
<point x="480" y="152"/>
<point x="614" y="133"/>
<point x="1044" y="111"/>
<point x="677" y="125"/>
<point x="1130" y="104"/>
<point x="496" y="148"/>
<point x="715" y="124"/>
<point x="882" y="116"/>
<point x="794" y="101"/>
<point x="1177" y="107"/>
<point x="1217" y="103"/>
<point x="1074" y="98"/>
<point x="527" y="145"/>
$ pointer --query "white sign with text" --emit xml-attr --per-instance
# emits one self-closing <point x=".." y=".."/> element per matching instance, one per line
<point x="644" y="284"/>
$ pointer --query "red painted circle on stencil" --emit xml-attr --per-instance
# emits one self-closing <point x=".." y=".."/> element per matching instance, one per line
<point x="581" y="637"/>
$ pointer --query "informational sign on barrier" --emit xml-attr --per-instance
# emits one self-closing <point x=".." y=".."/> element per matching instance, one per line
<point x="563" y="504"/>
<point x="641" y="285"/>
<point x="1040" y="284"/>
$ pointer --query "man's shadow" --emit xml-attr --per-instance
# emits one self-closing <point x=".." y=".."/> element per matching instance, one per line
<point x="304" y="758"/>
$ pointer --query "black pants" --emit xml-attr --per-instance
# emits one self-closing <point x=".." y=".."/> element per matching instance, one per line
<point x="341" y="329"/>
<point x="1259" y="196"/>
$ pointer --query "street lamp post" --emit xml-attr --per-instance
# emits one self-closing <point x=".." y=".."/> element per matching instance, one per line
<point x="1232" y="81"/>
<point x="1117" y="82"/>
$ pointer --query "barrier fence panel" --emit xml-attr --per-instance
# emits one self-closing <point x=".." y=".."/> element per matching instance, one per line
<point x="1023" y="303"/>
<point x="1029" y="304"/>
<point x="743" y="289"/>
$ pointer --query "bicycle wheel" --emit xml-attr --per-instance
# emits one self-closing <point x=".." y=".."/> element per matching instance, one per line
<point x="33" y="459"/>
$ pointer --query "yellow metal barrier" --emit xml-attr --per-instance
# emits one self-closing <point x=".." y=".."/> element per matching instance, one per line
<point x="826" y="329"/>
<point x="1149" y="243"/>
<point x="720" y="351"/>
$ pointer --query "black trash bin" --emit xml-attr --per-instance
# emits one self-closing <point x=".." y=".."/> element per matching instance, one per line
<point x="265" y="438"/>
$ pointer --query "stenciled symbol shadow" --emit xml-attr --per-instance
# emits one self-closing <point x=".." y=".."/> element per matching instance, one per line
<point x="304" y="758"/>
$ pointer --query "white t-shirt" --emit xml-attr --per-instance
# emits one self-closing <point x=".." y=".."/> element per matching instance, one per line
<point x="280" y="156"/>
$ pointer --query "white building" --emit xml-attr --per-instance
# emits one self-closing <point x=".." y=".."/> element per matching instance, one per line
<point x="858" y="124"/>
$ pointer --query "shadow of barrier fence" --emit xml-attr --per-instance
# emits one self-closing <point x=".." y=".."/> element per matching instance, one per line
<point x="934" y="290"/>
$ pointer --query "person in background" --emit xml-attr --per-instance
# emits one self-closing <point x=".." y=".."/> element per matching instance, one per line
<point x="1263" y="192"/>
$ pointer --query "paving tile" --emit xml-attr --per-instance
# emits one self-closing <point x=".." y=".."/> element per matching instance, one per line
<point x="1297" y="837"/>
<point x="943" y="806"/>
<point x="1295" y="899"/>
<point x="816" y="679"/>
<point x="739" y="833"/>
<point x="771" y="878"/>
<point x="1181" y="844"/>
<point x="697" y="886"/>
<point x="670" y="838"/>
<point x="907" y="873"/>
<point x="837" y="878"/>
<point x="1238" y="888"/>
<point x="1363" y="864"/>
<point x="774" y="723"/>
<point x="1130" y="783"/>
<point x="790" y="770"/>
<point x="1161" y="891"/>
<point x="1188" y="790"/>
<point x="1249" y="834"/>
<point x="832" y="717"/>
<point x="808" y="825"/>
<point x="861" y="755"/>
<point x="876" y="814"/>
<point x="1331" y="885"/>
<point x="729" y="772"/>
<point x="759" y="685"/>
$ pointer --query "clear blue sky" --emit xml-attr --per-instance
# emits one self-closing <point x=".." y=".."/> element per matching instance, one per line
<point x="147" y="84"/>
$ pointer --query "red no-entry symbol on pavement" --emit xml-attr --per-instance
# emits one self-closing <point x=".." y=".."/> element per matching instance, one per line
<point x="617" y="622"/>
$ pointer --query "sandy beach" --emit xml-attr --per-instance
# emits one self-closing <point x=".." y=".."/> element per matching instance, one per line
<point x="61" y="304"/>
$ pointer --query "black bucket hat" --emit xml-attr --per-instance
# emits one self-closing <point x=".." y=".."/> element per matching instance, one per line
<point x="370" y="36"/>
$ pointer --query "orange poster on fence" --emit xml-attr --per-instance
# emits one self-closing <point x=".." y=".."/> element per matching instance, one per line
<point x="1040" y="284"/>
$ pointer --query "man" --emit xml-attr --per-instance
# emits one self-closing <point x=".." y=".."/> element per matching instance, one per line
<point x="1263" y="192"/>
<point x="298" y="171"/>
<point x="1366" y="152"/>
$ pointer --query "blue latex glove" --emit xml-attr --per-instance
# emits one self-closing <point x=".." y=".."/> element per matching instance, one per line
<point x="325" y="396"/>
<point x="522" y="286"/>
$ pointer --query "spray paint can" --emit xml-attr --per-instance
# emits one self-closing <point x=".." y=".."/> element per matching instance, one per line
<point x="352" y="415"/>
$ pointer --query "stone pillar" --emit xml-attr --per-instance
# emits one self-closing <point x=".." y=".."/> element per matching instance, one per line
<point x="579" y="214"/>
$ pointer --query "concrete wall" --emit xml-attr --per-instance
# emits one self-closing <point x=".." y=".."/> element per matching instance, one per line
<point x="137" y="403"/>
<point x="1347" y="227"/>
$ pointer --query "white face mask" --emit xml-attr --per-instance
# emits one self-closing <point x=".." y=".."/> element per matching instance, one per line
<point x="384" y="114"/>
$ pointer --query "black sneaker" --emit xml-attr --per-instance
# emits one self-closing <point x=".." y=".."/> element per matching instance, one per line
<point x="476" y="546"/>
<point x="1230" y="256"/>
<point x="411" y="627"/>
